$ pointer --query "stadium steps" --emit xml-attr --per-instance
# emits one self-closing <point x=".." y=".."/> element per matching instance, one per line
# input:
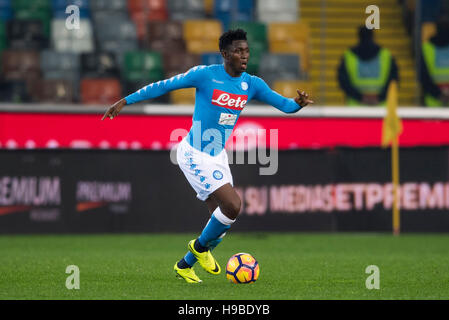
<point x="334" y="29"/>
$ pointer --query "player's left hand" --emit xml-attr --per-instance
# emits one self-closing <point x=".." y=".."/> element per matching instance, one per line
<point x="303" y="98"/>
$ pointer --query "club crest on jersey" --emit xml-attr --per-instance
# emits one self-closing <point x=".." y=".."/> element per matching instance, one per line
<point x="229" y="100"/>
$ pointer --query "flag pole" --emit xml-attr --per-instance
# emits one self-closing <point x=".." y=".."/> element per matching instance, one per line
<point x="395" y="180"/>
<point x="391" y="129"/>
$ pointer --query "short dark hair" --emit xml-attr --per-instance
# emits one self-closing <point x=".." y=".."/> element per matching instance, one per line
<point x="229" y="36"/>
<point x="365" y="33"/>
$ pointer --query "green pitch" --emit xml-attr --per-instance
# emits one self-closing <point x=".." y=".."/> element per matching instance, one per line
<point x="293" y="266"/>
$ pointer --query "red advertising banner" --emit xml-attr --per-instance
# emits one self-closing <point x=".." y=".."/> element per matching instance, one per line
<point x="27" y="130"/>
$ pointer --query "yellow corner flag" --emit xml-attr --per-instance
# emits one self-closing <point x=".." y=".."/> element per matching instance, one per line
<point x="391" y="129"/>
<point x="392" y="125"/>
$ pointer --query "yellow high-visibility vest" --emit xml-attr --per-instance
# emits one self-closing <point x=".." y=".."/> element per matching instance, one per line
<point x="437" y="63"/>
<point x="368" y="76"/>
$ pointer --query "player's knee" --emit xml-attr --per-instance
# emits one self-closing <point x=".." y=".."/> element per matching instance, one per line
<point x="232" y="209"/>
<point x="238" y="206"/>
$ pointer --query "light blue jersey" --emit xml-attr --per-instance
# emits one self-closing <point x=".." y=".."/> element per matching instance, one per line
<point x="219" y="100"/>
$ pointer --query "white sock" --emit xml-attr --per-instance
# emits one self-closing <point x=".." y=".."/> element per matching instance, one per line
<point x="220" y="216"/>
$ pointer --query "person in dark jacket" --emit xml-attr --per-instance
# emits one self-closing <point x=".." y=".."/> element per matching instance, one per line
<point x="366" y="70"/>
<point x="434" y="67"/>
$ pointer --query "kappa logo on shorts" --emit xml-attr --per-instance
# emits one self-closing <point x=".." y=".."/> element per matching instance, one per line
<point x="218" y="175"/>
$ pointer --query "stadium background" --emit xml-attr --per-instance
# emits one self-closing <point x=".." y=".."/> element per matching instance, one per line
<point x="105" y="197"/>
<point x="62" y="170"/>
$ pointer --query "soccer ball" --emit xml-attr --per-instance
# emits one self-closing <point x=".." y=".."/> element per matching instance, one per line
<point x="242" y="268"/>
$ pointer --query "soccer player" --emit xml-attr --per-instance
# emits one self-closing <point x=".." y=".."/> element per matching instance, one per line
<point x="222" y="91"/>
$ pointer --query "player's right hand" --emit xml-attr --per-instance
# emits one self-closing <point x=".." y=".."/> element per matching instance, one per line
<point x="114" y="110"/>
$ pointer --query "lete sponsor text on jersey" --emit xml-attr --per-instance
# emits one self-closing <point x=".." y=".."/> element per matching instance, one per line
<point x="229" y="100"/>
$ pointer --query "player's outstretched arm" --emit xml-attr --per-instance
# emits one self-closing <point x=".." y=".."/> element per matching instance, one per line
<point x="191" y="78"/>
<point x="114" y="110"/>
<point x="288" y="105"/>
<point x="303" y="98"/>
